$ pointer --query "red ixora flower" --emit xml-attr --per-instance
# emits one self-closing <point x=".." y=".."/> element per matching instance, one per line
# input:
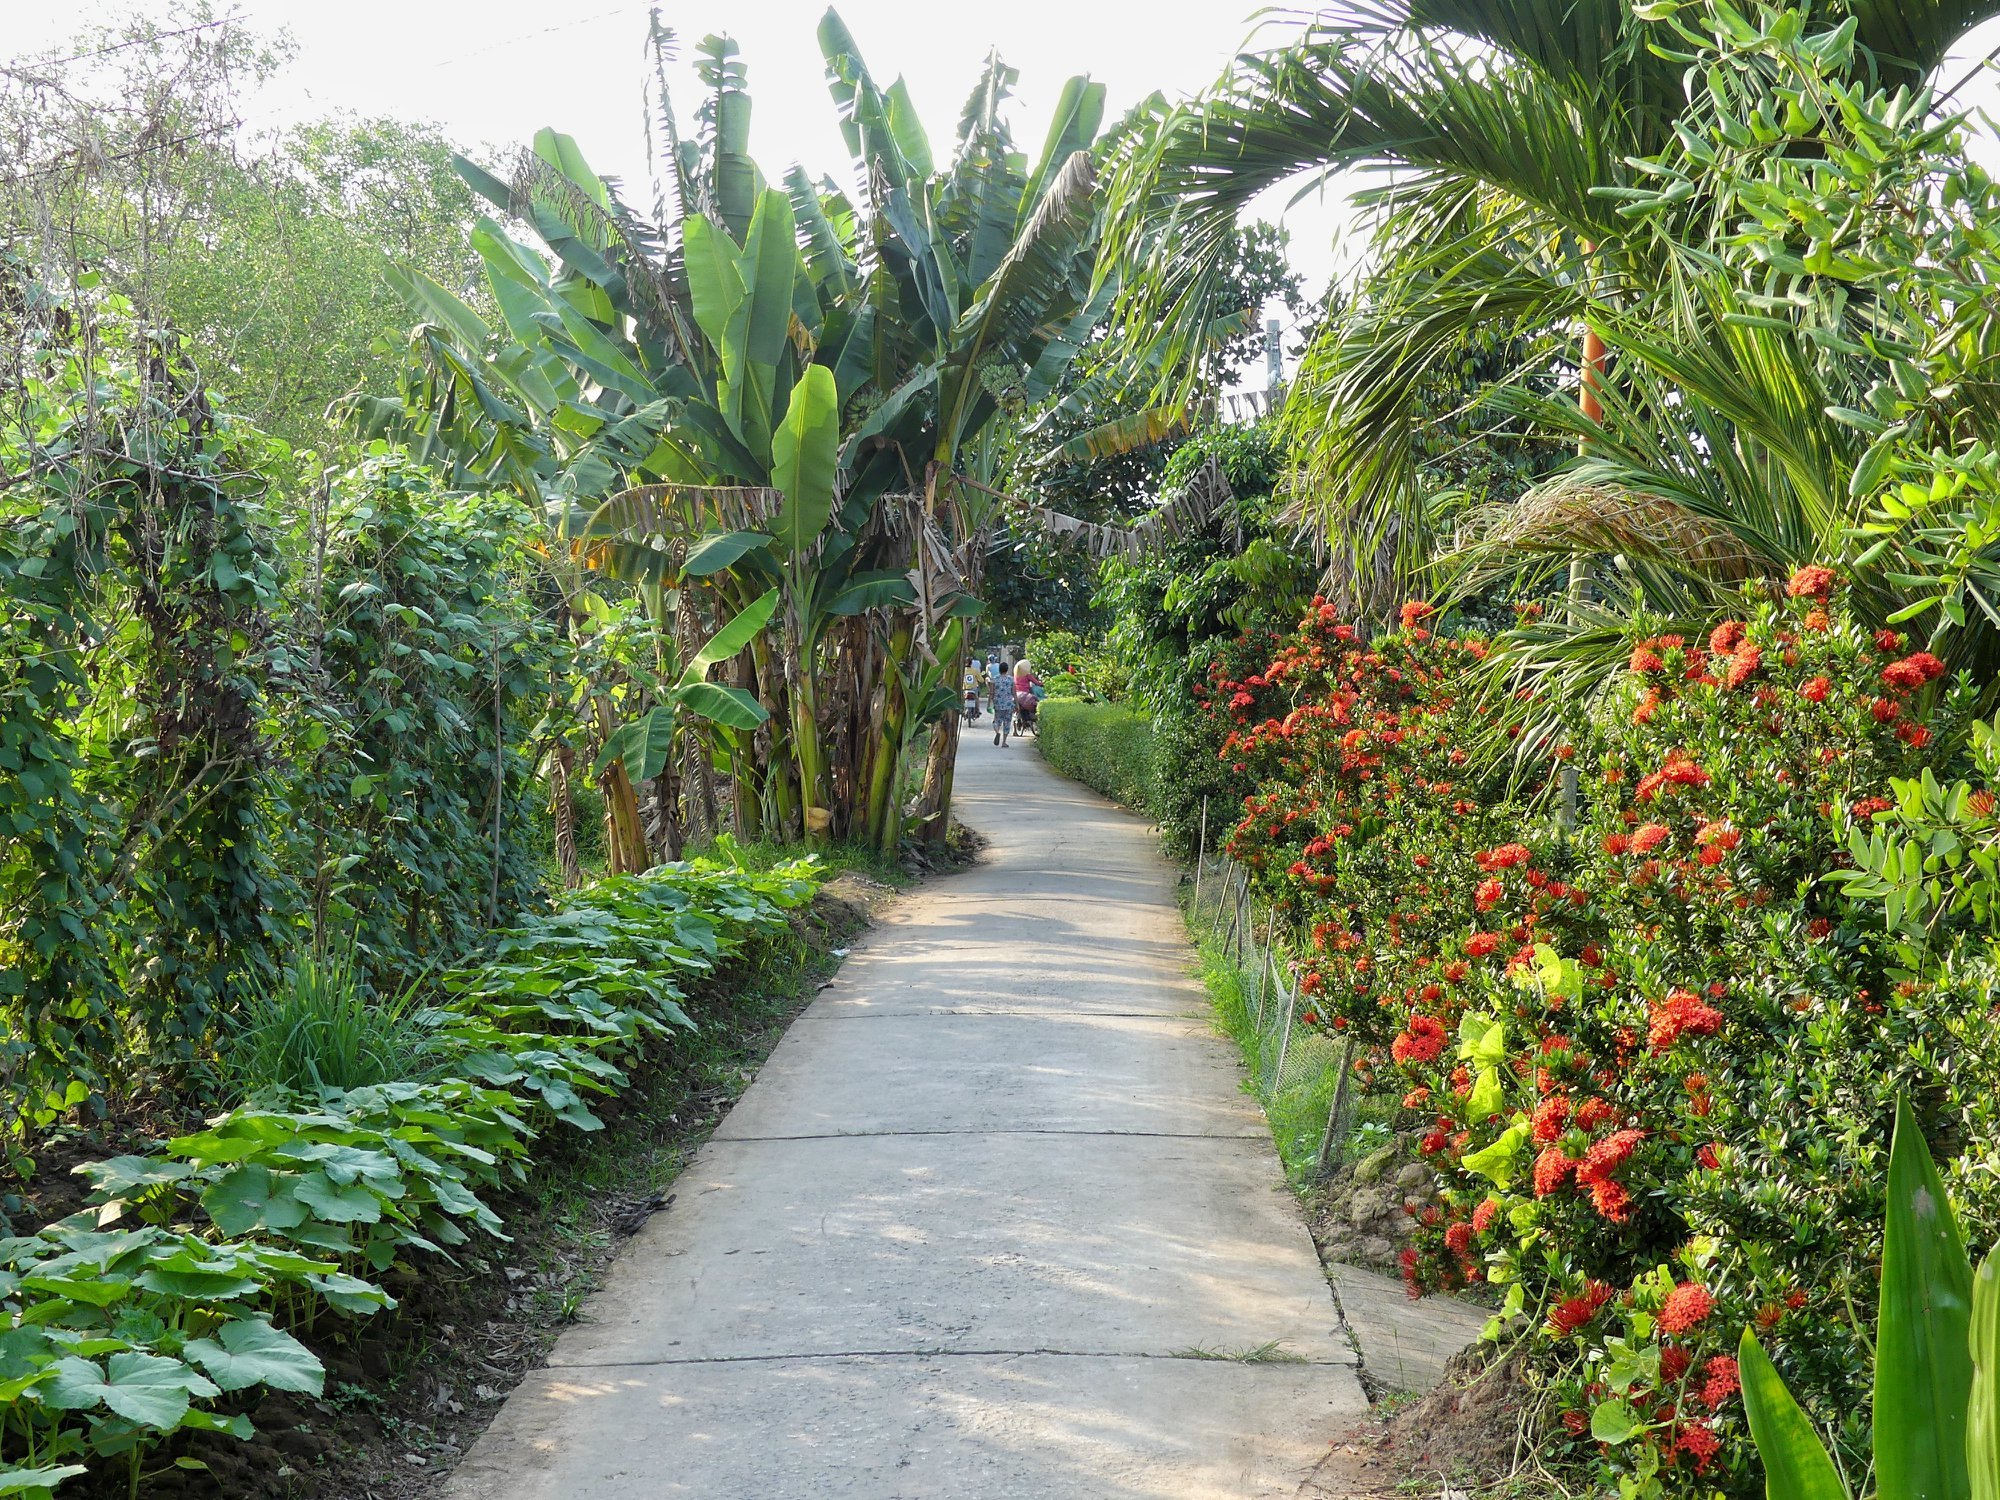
<point x="1480" y="944"/>
<point x="1505" y="857"/>
<point x="1687" y="1306"/>
<point x="1679" y="770"/>
<point x="1552" y="1170"/>
<point x="1726" y="637"/>
<point x="1913" y="671"/>
<point x="1720" y="1380"/>
<point x="1550" y="1119"/>
<point x="1743" y="664"/>
<point x="1648" y="837"/>
<point x="1488" y="895"/>
<point x="1421" y="1042"/>
<point x="1573" y="1312"/>
<point x="1414" y="611"/>
<point x="1700" y="1443"/>
<point x="1682" y="1013"/>
<point x="1814" y="690"/>
<point x="1812" y="582"/>
<point x="1484" y="1215"/>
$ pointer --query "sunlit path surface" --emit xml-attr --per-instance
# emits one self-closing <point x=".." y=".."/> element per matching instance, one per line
<point x="967" y="1230"/>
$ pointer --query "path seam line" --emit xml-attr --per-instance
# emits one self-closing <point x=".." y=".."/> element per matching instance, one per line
<point x="756" y="1359"/>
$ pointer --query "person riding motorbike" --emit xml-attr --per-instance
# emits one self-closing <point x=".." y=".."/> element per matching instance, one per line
<point x="1028" y="695"/>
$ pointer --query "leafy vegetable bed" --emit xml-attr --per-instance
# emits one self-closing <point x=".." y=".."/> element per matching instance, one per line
<point x="176" y="1298"/>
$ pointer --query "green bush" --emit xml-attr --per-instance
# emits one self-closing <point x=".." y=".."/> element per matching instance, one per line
<point x="1107" y="747"/>
<point x="1076" y="667"/>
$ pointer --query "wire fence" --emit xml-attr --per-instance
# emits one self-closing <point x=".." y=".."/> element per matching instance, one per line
<point x="1302" y="1075"/>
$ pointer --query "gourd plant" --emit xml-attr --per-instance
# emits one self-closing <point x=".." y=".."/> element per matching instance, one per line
<point x="1937" y="1360"/>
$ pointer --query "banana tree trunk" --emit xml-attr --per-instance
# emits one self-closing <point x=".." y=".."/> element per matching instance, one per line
<point x="882" y="823"/>
<point x="562" y="811"/>
<point x="940" y="768"/>
<point x="808" y="749"/>
<point x="624" y="826"/>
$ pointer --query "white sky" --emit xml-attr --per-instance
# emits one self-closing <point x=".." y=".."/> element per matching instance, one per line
<point x="495" y="71"/>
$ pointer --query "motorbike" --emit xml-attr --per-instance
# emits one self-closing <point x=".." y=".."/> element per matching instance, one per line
<point x="970" y="708"/>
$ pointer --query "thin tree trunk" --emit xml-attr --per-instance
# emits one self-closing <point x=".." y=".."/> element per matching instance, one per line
<point x="562" y="808"/>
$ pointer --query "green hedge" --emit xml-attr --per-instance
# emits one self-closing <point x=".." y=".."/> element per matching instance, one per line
<point x="1106" y="746"/>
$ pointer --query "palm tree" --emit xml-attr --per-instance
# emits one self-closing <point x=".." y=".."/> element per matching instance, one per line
<point x="1511" y="132"/>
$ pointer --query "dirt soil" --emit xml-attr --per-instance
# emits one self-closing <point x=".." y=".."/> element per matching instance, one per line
<point x="1466" y="1436"/>
<point x="407" y="1393"/>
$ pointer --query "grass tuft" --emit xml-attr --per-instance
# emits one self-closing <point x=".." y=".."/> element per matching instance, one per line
<point x="318" y="1027"/>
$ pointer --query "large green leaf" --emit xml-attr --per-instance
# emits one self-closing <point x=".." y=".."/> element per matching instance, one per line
<point x="1923" y="1356"/>
<point x="644" y="744"/>
<point x="1079" y="114"/>
<point x="1796" y="1465"/>
<point x="733" y="637"/>
<point x="805" y="454"/>
<point x="874" y="590"/>
<point x="1982" y="1424"/>
<point x="149" y="1389"/>
<point x="758" y="336"/>
<point x="562" y="152"/>
<point x="730" y="707"/>
<point x="249" y="1351"/>
<point x="33" y="1484"/>
<point x="719" y="550"/>
<point x="715" y="277"/>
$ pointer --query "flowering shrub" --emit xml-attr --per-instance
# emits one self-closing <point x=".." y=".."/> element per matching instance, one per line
<point x="1653" y="1057"/>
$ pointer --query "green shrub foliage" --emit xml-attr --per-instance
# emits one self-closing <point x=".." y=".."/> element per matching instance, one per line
<point x="217" y="748"/>
<point x="1106" y="746"/>
<point x="207" y="1268"/>
<point x="1653" y="1058"/>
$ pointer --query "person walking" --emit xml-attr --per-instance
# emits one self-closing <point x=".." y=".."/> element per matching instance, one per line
<point x="1003" y="704"/>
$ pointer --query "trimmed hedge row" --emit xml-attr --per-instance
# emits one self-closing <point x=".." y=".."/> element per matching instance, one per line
<point x="1106" y="746"/>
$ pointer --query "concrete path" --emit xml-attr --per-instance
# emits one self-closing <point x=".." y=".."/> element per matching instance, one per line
<point x="1405" y="1345"/>
<point x="988" y="1225"/>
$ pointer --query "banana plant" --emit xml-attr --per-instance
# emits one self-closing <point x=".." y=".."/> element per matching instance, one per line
<point x="640" y="382"/>
<point x="1937" y="1359"/>
<point x="647" y="744"/>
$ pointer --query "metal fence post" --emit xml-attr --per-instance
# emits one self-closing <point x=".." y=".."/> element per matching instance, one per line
<point x="1329" y="1152"/>
<point x="1285" y="1038"/>
<point x="1201" y="853"/>
<point x="1264" y="968"/>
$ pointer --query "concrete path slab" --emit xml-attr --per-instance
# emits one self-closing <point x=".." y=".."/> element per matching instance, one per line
<point x="964" y="1233"/>
<point x="957" y="1071"/>
<point x="1405" y="1344"/>
<point x="1074" y="1244"/>
<point x="996" y="1427"/>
